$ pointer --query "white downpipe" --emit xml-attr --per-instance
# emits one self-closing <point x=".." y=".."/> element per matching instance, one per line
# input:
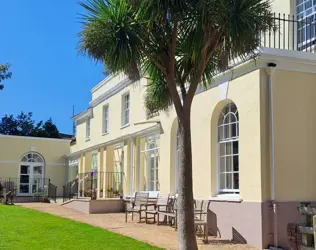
<point x="270" y="70"/>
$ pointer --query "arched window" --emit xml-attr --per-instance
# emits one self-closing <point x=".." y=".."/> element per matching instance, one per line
<point x="31" y="174"/>
<point x="228" y="140"/>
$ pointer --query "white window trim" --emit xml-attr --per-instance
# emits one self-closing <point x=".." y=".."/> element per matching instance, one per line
<point x="226" y="194"/>
<point x="105" y="124"/>
<point x="148" y="154"/>
<point x="123" y="123"/>
<point x="226" y="197"/>
<point x="296" y="28"/>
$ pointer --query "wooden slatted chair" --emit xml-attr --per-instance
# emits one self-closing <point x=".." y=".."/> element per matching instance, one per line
<point x="170" y="213"/>
<point x="201" y="217"/>
<point x="160" y="205"/>
<point x="138" y="206"/>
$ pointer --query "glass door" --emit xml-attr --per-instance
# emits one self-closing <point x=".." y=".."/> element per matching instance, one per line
<point x="37" y="185"/>
<point x="24" y="179"/>
<point x="31" y="179"/>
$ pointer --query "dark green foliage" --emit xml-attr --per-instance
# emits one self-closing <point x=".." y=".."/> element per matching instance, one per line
<point x="128" y="34"/>
<point x="4" y="73"/>
<point x="24" y="125"/>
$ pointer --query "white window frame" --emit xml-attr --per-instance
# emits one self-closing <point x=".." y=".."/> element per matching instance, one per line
<point x="105" y="129"/>
<point x="94" y="168"/>
<point x="35" y="180"/>
<point x="303" y="16"/>
<point x="152" y="151"/>
<point x="126" y="99"/>
<point x="223" y="142"/>
<point x="88" y="128"/>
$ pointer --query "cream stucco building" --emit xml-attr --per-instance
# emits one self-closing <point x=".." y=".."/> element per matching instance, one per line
<point x="253" y="139"/>
<point x="31" y="164"/>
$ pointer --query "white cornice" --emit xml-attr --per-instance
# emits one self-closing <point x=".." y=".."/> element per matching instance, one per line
<point x="103" y="82"/>
<point x="112" y="91"/>
<point x="33" y="138"/>
<point x="84" y="114"/>
<point x="284" y="59"/>
<point x="141" y="133"/>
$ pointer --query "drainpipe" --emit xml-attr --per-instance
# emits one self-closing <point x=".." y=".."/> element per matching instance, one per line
<point x="270" y="70"/>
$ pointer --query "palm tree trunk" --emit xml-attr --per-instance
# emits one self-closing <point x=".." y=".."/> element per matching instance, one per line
<point x="185" y="202"/>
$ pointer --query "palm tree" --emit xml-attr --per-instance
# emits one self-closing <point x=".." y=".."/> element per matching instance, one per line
<point x="177" y="44"/>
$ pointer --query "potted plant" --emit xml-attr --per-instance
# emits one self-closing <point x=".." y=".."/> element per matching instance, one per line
<point x="110" y="192"/>
<point x="121" y="193"/>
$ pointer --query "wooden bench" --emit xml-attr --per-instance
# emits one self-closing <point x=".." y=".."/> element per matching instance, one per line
<point x="138" y="205"/>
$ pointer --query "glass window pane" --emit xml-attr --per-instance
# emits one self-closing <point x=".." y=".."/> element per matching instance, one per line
<point x="235" y="147"/>
<point x="221" y="135"/>
<point x="151" y="186"/>
<point x="24" y="178"/>
<point x="236" y="180"/>
<point x="230" y="118"/>
<point x="236" y="163"/>
<point x="228" y="147"/>
<point x="37" y="170"/>
<point x="152" y="175"/>
<point x="25" y="169"/>
<point x="229" y="181"/>
<point x="222" y="181"/>
<point x="226" y="131"/>
<point x="24" y="188"/>
<point x="222" y="149"/>
<point x="222" y="165"/>
<point x="233" y="130"/>
<point x="229" y="164"/>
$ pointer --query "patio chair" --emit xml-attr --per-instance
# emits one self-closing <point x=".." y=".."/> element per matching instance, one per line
<point x="170" y="213"/>
<point x="160" y="205"/>
<point x="201" y="217"/>
<point x="138" y="206"/>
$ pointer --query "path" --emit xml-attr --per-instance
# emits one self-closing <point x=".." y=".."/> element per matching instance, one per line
<point x="162" y="236"/>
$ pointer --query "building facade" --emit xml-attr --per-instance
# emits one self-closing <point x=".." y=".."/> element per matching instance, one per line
<point x="29" y="164"/>
<point x="252" y="137"/>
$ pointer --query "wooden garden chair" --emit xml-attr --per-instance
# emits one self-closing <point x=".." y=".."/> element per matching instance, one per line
<point x="170" y="212"/>
<point x="138" y="206"/>
<point x="160" y="205"/>
<point x="201" y="217"/>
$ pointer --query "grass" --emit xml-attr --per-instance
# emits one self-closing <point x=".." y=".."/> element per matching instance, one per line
<point x="22" y="228"/>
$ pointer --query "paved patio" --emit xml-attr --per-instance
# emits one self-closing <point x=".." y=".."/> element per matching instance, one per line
<point x="162" y="236"/>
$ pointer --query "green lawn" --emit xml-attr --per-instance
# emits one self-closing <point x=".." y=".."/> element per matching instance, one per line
<point x="27" y="229"/>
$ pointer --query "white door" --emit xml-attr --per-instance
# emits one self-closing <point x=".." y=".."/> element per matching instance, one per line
<point x="31" y="179"/>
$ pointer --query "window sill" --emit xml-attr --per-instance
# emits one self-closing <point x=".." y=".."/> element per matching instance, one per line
<point x="125" y="126"/>
<point x="106" y="133"/>
<point x="225" y="198"/>
<point x="88" y="139"/>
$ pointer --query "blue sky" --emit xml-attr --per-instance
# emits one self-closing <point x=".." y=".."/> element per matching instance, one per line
<point x="39" y="39"/>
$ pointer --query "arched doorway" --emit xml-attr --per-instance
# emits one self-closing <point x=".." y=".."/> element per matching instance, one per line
<point x="31" y="174"/>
